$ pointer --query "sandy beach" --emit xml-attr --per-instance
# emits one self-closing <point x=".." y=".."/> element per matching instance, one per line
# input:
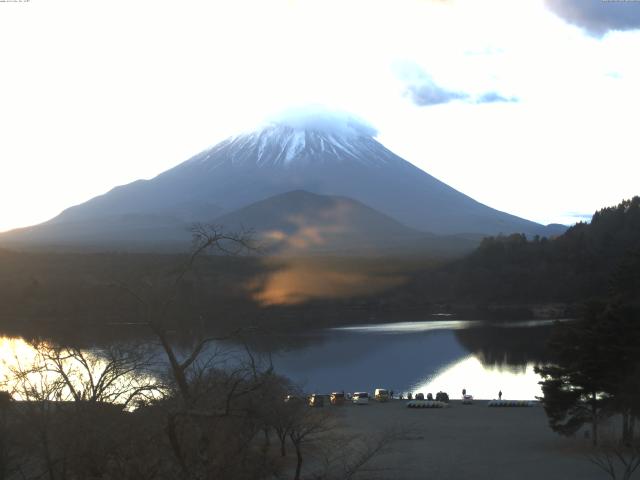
<point x="471" y="442"/>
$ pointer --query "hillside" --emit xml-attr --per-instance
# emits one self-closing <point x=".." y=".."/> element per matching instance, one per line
<point x="583" y="263"/>
<point x="292" y="223"/>
<point x="324" y="158"/>
<point x="300" y="222"/>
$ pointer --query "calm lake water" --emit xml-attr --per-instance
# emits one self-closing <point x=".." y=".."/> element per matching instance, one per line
<point x="429" y="356"/>
<point x="422" y="357"/>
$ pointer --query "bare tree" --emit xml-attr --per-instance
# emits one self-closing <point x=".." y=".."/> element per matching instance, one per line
<point x="617" y="460"/>
<point x="157" y="309"/>
<point x="90" y="413"/>
<point x="73" y="401"/>
<point x="209" y="396"/>
<point x="307" y="428"/>
<point x="38" y="391"/>
<point x="119" y="374"/>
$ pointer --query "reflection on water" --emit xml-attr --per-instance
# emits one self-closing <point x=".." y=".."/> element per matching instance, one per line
<point x="519" y="383"/>
<point x="16" y="355"/>
<point x="118" y="374"/>
<point x="405" y="356"/>
<point x="423" y="356"/>
<point x="507" y="345"/>
<point x="352" y="361"/>
<point x="294" y="280"/>
<point x="406" y="327"/>
<point x="13" y="349"/>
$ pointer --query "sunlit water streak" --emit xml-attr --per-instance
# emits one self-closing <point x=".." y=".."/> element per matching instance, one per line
<point x="15" y="354"/>
<point x="28" y="374"/>
<point x="407" y="327"/>
<point x="482" y="382"/>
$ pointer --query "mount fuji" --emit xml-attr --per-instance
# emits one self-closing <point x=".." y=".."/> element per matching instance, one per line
<point x="325" y="154"/>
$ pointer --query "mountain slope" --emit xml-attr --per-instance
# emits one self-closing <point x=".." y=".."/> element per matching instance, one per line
<point x="293" y="211"/>
<point x="292" y="223"/>
<point x="280" y="158"/>
<point x="327" y="157"/>
<point x="129" y="232"/>
<point x="302" y="222"/>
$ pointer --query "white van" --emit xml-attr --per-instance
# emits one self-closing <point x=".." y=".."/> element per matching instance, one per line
<point x="360" y="398"/>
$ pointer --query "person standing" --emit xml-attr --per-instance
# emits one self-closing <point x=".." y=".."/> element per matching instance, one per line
<point x="500" y="395"/>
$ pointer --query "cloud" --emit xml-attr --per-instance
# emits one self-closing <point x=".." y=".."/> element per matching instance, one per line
<point x="583" y="216"/>
<point x="424" y="91"/>
<point x="598" y="17"/>
<point x="324" y="119"/>
<point x="428" y="93"/>
<point x="494" y="97"/>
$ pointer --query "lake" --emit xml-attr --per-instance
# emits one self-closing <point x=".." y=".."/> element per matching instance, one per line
<point x="422" y="357"/>
<point x="429" y="356"/>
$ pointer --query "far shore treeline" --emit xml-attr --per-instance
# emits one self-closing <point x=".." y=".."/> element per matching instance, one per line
<point x="510" y="277"/>
<point x="572" y="268"/>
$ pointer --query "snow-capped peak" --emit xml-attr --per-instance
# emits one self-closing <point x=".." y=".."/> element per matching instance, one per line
<point x="324" y="121"/>
<point x="301" y="137"/>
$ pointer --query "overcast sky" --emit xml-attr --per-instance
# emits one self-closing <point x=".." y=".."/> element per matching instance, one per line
<point x="530" y="107"/>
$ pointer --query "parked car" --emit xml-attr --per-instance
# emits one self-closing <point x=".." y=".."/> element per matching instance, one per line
<point x="318" y="400"/>
<point x="337" y="398"/>
<point x="360" y="398"/>
<point x="381" y="395"/>
<point x="442" y="397"/>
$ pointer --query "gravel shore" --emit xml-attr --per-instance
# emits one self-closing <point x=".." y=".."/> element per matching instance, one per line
<point x="470" y="442"/>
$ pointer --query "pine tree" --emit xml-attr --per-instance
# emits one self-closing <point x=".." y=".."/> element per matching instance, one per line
<point x="576" y="385"/>
<point x="595" y="372"/>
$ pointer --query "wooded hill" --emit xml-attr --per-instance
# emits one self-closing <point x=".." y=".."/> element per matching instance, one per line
<point x="577" y="266"/>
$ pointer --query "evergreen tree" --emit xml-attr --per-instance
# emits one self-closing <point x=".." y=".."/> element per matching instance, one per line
<point x="621" y="336"/>
<point x="577" y="383"/>
<point x="595" y="371"/>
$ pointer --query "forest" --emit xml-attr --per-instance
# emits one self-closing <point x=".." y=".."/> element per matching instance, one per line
<point x="575" y="267"/>
<point x="506" y="276"/>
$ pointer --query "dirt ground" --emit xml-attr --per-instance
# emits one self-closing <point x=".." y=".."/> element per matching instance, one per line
<point x="471" y="442"/>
